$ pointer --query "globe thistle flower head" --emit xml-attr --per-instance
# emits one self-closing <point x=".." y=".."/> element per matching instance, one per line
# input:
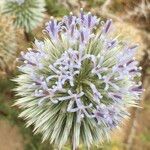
<point x="79" y="82"/>
<point x="27" y="13"/>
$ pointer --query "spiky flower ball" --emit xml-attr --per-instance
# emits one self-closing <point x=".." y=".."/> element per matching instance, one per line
<point x="8" y="46"/>
<point x="78" y="83"/>
<point x="28" y="13"/>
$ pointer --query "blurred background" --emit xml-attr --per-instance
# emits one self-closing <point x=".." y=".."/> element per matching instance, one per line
<point x="132" y="23"/>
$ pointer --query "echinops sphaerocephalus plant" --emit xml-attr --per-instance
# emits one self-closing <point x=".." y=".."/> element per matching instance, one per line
<point x="78" y="83"/>
<point x="27" y="13"/>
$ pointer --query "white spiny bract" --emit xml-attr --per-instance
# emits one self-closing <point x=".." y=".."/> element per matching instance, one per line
<point x="20" y="2"/>
<point x="27" y="13"/>
<point x="79" y="82"/>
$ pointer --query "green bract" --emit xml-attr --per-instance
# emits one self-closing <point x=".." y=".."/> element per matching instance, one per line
<point x="27" y="14"/>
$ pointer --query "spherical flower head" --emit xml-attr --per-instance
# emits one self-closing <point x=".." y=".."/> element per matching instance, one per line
<point x="27" y="13"/>
<point x="79" y="82"/>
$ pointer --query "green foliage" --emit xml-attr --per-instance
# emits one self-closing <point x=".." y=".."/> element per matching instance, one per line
<point x="26" y="15"/>
<point x="145" y="136"/>
<point x="8" y="46"/>
<point x="56" y="9"/>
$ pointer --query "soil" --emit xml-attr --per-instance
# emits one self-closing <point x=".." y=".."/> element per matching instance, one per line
<point x="10" y="137"/>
